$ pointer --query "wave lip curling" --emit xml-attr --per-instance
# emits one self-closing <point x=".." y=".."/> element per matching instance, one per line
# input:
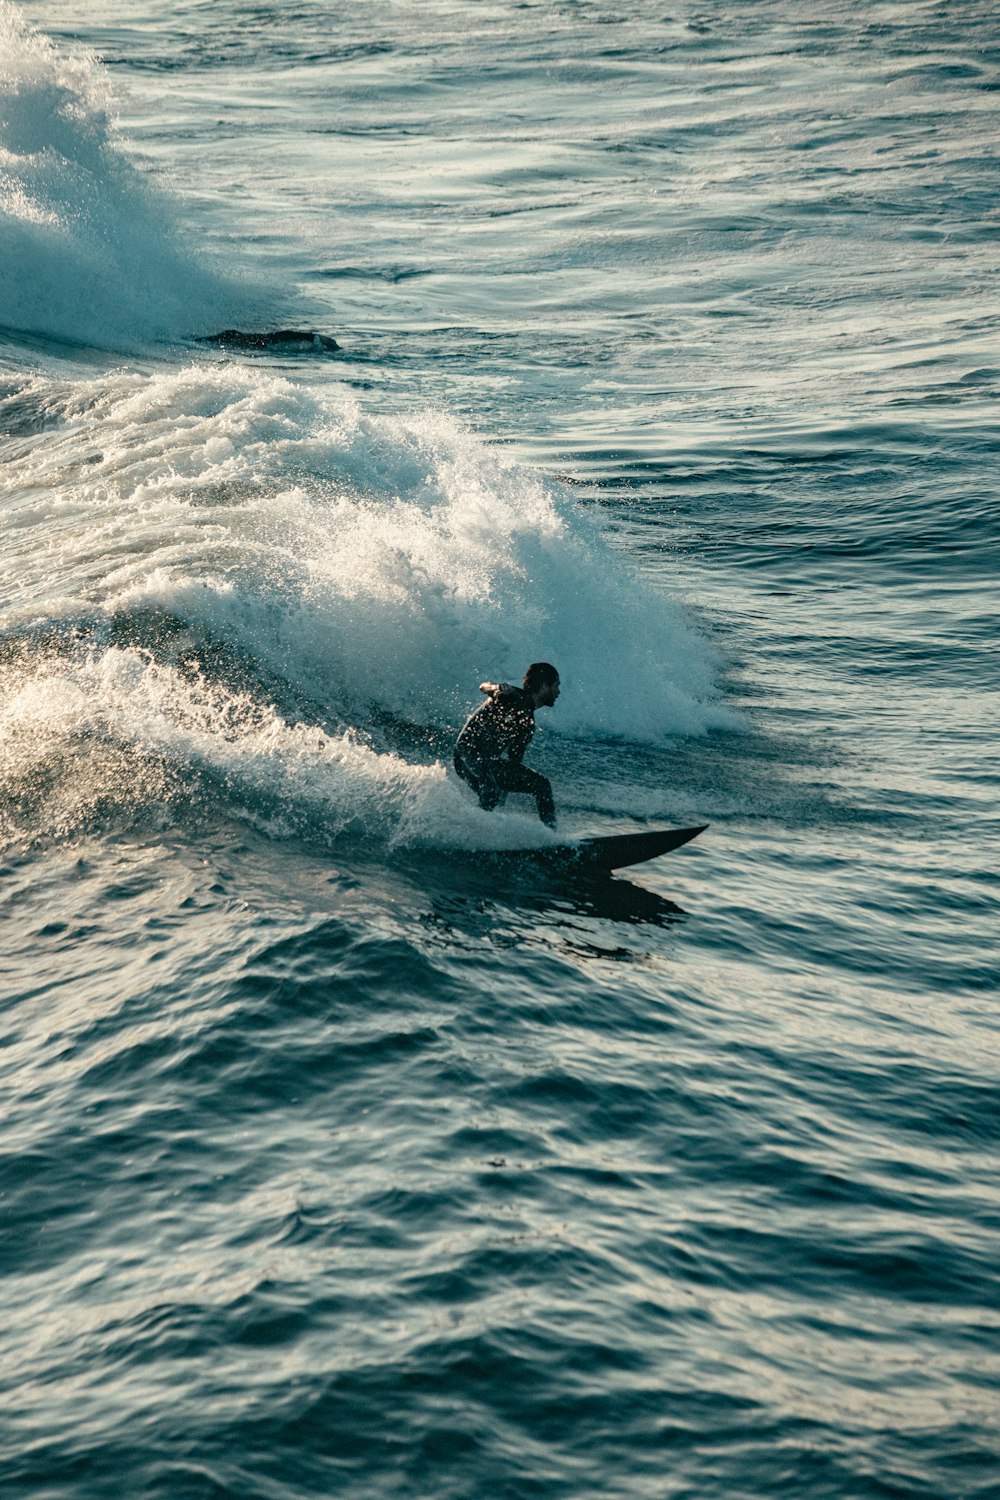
<point x="336" y="571"/>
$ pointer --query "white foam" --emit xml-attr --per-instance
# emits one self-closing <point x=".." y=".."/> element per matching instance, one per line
<point x="98" y="731"/>
<point x="91" y="251"/>
<point x="373" y="565"/>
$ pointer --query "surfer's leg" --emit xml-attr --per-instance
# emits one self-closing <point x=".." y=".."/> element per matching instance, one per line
<point x="515" y="778"/>
<point x="481" y="778"/>
<point x="488" y="788"/>
<point x="544" y="799"/>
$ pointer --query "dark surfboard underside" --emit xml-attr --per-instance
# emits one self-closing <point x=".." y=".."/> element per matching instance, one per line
<point x="616" y="850"/>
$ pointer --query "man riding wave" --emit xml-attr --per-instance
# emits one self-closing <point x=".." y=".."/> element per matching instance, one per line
<point x="491" y="746"/>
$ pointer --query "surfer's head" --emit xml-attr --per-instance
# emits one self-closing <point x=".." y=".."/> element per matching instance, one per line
<point x="541" y="680"/>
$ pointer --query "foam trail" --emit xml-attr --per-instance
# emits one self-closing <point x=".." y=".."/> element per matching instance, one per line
<point x="257" y="577"/>
<point x="119" y="731"/>
<point x="91" y="251"/>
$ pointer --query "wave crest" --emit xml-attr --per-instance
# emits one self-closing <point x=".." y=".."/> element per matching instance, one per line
<point x="92" y="252"/>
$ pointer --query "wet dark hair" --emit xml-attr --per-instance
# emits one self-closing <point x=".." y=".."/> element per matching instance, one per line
<point x="539" y="673"/>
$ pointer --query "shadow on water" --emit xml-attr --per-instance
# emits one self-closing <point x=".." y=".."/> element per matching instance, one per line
<point x="506" y="902"/>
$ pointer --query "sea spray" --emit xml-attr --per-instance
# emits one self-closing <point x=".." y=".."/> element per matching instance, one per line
<point x="92" y="251"/>
<point x="259" y="581"/>
<point x="386" y="561"/>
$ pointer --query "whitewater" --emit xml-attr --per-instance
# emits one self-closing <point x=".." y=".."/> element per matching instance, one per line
<point x="337" y="1155"/>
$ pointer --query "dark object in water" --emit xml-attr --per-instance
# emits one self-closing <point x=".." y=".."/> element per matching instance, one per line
<point x="612" y="852"/>
<point x="289" y="339"/>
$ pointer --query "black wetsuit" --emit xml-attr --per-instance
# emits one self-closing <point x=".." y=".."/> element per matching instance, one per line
<point x="490" y="748"/>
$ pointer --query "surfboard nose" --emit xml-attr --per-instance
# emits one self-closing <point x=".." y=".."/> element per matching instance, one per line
<point x="616" y="850"/>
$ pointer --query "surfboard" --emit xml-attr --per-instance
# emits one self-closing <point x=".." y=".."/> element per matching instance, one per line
<point x="614" y="851"/>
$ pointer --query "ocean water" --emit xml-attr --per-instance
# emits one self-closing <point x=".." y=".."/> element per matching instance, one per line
<point x="336" y="1156"/>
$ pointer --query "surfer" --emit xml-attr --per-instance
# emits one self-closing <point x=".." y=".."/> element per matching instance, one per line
<point x="490" y="748"/>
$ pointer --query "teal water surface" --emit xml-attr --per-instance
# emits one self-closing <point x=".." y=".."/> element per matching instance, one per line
<point x="337" y="1158"/>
